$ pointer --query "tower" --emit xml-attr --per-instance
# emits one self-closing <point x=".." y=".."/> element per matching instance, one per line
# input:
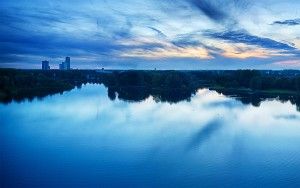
<point x="45" y="65"/>
<point x="68" y="63"/>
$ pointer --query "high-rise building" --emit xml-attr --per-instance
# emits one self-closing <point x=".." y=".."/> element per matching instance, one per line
<point x="61" y="66"/>
<point x="66" y="65"/>
<point x="45" y="65"/>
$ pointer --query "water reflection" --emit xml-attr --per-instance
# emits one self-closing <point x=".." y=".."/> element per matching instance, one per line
<point x="204" y="134"/>
<point x="84" y="139"/>
<point x="131" y="93"/>
<point x="136" y="94"/>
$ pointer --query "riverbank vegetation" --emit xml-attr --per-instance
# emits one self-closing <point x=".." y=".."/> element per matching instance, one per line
<point x="170" y="86"/>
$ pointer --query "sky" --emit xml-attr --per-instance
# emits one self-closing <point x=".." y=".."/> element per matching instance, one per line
<point x="148" y="34"/>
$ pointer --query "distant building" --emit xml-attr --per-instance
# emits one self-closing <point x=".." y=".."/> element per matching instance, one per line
<point x="61" y="66"/>
<point x="66" y="65"/>
<point x="45" y="65"/>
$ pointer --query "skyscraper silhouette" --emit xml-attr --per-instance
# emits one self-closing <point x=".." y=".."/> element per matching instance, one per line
<point x="66" y="65"/>
<point x="45" y="65"/>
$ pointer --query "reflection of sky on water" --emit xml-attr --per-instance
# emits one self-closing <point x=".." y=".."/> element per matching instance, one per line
<point x="212" y="137"/>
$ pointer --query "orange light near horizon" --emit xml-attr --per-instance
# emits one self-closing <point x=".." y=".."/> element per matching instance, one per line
<point x="166" y="49"/>
<point x="242" y="51"/>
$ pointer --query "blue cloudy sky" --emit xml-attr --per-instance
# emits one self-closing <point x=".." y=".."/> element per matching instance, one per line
<point x="147" y="34"/>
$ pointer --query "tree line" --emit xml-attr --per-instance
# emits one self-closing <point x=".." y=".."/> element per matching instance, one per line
<point x="172" y="86"/>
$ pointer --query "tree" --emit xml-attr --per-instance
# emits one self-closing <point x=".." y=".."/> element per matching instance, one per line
<point x="256" y="83"/>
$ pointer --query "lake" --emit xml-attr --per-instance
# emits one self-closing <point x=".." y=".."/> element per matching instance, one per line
<point x="82" y="138"/>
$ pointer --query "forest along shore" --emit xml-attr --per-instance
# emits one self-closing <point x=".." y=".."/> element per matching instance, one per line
<point x="17" y="85"/>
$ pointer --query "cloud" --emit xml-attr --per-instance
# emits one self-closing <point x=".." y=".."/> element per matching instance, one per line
<point x="221" y="11"/>
<point x="293" y="22"/>
<point x="246" y="38"/>
<point x="243" y="52"/>
<point x="160" y="53"/>
<point x="171" y="32"/>
<point x="288" y="63"/>
<point x="184" y="42"/>
<point x="53" y="44"/>
<point x="211" y="9"/>
<point x="159" y="33"/>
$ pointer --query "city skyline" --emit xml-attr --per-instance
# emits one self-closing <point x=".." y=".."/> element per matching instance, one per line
<point x="179" y="34"/>
<point x="65" y="65"/>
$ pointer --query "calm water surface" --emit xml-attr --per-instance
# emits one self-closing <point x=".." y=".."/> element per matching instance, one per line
<point x="83" y="139"/>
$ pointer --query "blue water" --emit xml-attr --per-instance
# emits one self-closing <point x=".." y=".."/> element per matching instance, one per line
<point x="83" y="139"/>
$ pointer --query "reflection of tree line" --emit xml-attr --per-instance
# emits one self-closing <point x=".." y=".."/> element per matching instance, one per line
<point x="165" y="86"/>
<point x="137" y="94"/>
<point x="18" y="85"/>
<point x="255" y="99"/>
